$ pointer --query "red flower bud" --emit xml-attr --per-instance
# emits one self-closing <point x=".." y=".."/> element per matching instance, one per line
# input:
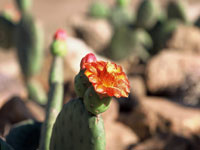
<point x="60" y="35"/>
<point x="88" y="59"/>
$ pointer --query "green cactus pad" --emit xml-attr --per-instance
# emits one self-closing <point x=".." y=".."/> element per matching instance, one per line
<point x="29" y="43"/>
<point x="81" y="84"/>
<point x="24" y="5"/>
<point x="123" y="3"/>
<point x="77" y="129"/>
<point x="162" y="33"/>
<point x="95" y="104"/>
<point x="148" y="14"/>
<point x="4" y="145"/>
<point x="98" y="10"/>
<point x="121" y="17"/>
<point x="59" y="48"/>
<point x="176" y="10"/>
<point x="197" y="22"/>
<point x="122" y="44"/>
<point x="56" y="73"/>
<point x="25" y="135"/>
<point x="7" y="31"/>
<point x="36" y="92"/>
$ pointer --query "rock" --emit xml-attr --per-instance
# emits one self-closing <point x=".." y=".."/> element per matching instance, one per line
<point x="9" y="77"/>
<point x="171" y="72"/>
<point x="138" y="87"/>
<point x="114" y="130"/>
<point x="12" y="112"/>
<point x="36" y="110"/>
<point x="8" y="88"/>
<point x="167" y="142"/>
<point x="95" y="32"/>
<point x="158" y="115"/>
<point x="185" y="38"/>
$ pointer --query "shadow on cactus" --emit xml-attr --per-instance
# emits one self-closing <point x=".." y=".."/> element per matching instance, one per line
<point x="79" y="125"/>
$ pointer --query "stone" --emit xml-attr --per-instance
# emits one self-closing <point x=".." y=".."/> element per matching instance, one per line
<point x="96" y="33"/>
<point x="159" y="115"/>
<point x="170" y="72"/>
<point x="185" y="38"/>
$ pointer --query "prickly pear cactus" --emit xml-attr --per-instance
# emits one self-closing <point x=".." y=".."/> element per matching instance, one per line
<point x="77" y="129"/>
<point x="9" y="18"/>
<point x="79" y="125"/>
<point x="197" y="22"/>
<point x="25" y="135"/>
<point x="176" y="10"/>
<point x="122" y="3"/>
<point x="36" y="92"/>
<point x="98" y="10"/>
<point x="161" y="33"/>
<point x="148" y="14"/>
<point x="55" y="97"/>
<point x="4" y="145"/>
<point x="121" y="16"/>
<point x="29" y="43"/>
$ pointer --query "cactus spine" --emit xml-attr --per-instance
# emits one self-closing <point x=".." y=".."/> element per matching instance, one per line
<point x="55" y="97"/>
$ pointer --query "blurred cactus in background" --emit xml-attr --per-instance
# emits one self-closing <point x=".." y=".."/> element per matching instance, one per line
<point x="176" y="10"/>
<point x="98" y="10"/>
<point x="147" y="15"/>
<point x="9" y="19"/>
<point x="22" y="31"/>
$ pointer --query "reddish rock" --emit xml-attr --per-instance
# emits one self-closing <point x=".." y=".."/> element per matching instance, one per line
<point x="185" y="38"/>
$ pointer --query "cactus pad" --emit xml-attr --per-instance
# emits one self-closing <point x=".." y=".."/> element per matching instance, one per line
<point x="77" y="129"/>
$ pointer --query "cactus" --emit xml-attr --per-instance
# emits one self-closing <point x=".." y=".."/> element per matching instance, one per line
<point x="122" y="3"/>
<point x="4" y="145"/>
<point x="176" y="10"/>
<point x="24" y="135"/>
<point x="197" y="22"/>
<point x="121" y="16"/>
<point x="77" y="129"/>
<point x="8" y="22"/>
<point x="79" y="125"/>
<point x="55" y="97"/>
<point x="148" y="14"/>
<point x="36" y="92"/>
<point x="126" y="41"/>
<point x="29" y="44"/>
<point x="161" y="33"/>
<point x="98" y="10"/>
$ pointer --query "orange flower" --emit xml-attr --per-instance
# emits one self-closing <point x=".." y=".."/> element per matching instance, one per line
<point x="108" y="79"/>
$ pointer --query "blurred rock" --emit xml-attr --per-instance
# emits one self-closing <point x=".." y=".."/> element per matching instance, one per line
<point x="172" y="72"/>
<point x="158" y="115"/>
<point x="185" y="38"/>
<point x="10" y="87"/>
<point x="95" y="32"/>
<point x="12" y="112"/>
<point x="16" y="110"/>
<point x="9" y="77"/>
<point x="138" y="87"/>
<point x="36" y="110"/>
<point x="114" y="138"/>
<point x="167" y="142"/>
